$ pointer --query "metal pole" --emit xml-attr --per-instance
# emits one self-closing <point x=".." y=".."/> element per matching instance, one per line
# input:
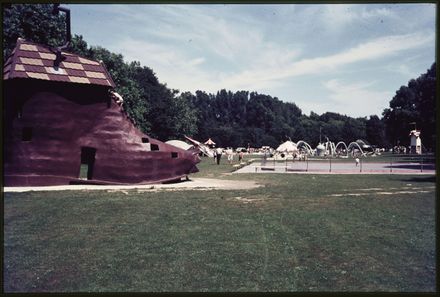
<point x="360" y="167"/>
<point x="391" y="164"/>
<point x="330" y="170"/>
<point x="421" y="163"/>
<point x="307" y="169"/>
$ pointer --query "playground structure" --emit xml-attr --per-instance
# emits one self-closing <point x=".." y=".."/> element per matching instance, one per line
<point x="416" y="142"/>
<point x="325" y="149"/>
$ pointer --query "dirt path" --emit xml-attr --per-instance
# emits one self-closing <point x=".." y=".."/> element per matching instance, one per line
<point x="192" y="184"/>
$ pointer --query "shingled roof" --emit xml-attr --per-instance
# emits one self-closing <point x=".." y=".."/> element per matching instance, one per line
<point x="31" y="60"/>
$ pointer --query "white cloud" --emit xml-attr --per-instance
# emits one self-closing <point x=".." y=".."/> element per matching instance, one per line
<point x="270" y="67"/>
<point x="337" y="17"/>
<point x="356" y="99"/>
<point x="374" y="49"/>
<point x="223" y="36"/>
<point x="271" y="48"/>
<point x="173" y="67"/>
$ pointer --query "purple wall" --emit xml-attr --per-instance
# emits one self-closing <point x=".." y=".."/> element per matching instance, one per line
<point x="51" y="128"/>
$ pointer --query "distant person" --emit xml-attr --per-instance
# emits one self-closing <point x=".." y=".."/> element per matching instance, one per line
<point x="266" y="153"/>
<point x="357" y="161"/>
<point x="215" y="155"/>
<point x="240" y="156"/>
<point x="230" y="155"/>
<point x="219" y="155"/>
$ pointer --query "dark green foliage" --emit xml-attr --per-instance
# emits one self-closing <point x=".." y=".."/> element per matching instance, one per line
<point x="242" y="118"/>
<point x="375" y="131"/>
<point x="33" y="22"/>
<point x="185" y="120"/>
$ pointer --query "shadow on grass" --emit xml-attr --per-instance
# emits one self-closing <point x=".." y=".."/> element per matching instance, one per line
<point x="412" y="166"/>
<point x="413" y="158"/>
<point x="423" y="179"/>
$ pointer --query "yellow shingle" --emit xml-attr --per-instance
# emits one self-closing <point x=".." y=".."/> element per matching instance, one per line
<point x="38" y="75"/>
<point x="86" y="61"/>
<point x="93" y="74"/>
<point x="19" y="67"/>
<point x="73" y="65"/>
<point x="77" y="79"/>
<point x="28" y="47"/>
<point x="47" y="56"/>
<point x="29" y="61"/>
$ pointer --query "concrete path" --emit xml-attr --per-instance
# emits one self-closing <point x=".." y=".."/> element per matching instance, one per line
<point x="325" y="167"/>
<point x="192" y="184"/>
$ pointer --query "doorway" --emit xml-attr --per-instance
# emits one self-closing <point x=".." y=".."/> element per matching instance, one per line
<point x="87" y="162"/>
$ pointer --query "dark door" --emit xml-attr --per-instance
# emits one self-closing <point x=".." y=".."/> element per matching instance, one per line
<point x="87" y="162"/>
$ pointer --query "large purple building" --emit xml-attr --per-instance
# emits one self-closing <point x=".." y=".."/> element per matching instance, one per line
<point x="59" y="118"/>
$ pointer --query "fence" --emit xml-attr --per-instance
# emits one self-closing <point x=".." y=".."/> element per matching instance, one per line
<point x="388" y="164"/>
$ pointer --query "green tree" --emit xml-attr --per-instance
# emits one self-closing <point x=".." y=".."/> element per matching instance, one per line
<point x="185" y="116"/>
<point x="33" y="22"/>
<point x="354" y="129"/>
<point x="202" y="102"/>
<point x="375" y="131"/>
<point x="79" y="46"/>
<point x="413" y="103"/>
<point x="127" y="85"/>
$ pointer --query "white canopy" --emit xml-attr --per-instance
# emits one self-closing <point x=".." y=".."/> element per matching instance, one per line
<point x="210" y="142"/>
<point x="287" y="147"/>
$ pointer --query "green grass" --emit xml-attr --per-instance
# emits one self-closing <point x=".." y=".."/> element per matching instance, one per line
<point x="293" y="234"/>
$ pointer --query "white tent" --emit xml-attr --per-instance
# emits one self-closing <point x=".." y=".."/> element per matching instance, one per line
<point x="287" y="147"/>
<point x="210" y="143"/>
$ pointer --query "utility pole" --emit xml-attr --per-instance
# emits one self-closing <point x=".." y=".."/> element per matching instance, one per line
<point x="320" y="135"/>
<point x="415" y="125"/>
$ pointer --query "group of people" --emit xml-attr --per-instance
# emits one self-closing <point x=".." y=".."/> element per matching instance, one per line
<point x="229" y="153"/>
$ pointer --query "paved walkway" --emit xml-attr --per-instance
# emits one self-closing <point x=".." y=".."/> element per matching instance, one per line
<point x="325" y="167"/>
<point x="192" y="184"/>
<point x="298" y="167"/>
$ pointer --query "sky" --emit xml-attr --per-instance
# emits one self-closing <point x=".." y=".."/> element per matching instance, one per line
<point x="344" y="58"/>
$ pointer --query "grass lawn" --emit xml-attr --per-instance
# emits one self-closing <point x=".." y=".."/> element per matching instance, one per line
<point x="297" y="233"/>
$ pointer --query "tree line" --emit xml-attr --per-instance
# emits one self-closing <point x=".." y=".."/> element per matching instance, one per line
<point x="234" y="119"/>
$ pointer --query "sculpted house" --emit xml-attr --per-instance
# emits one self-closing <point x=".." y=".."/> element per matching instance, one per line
<point x="63" y="115"/>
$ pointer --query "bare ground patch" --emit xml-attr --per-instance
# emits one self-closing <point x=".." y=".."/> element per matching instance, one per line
<point x="388" y="191"/>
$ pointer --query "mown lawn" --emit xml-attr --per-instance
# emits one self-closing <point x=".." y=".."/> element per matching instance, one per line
<point x="297" y="233"/>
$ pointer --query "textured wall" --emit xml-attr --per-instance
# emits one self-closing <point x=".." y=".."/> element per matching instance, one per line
<point x="63" y="118"/>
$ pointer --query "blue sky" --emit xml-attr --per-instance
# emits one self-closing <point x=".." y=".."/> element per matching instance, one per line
<point x="342" y="58"/>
